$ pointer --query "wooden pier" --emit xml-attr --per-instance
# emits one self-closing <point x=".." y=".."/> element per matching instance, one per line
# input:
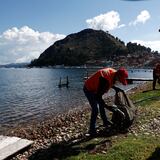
<point x="63" y="84"/>
<point x="130" y="80"/>
<point x="11" y="145"/>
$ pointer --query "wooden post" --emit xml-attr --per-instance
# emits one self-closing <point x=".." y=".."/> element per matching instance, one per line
<point x="87" y="75"/>
<point x="59" y="85"/>
<point x="66" y="84"/>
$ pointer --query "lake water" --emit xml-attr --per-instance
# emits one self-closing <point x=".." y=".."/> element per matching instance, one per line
<point x="32" y="94"/>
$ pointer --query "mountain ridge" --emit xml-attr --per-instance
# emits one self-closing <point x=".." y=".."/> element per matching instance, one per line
<point x="87" y="46"/>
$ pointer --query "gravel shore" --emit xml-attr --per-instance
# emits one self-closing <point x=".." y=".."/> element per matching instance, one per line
<point x="62" y="128"/>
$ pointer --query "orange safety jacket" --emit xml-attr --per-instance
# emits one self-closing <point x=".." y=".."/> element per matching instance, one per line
<point x="92" y="82"/>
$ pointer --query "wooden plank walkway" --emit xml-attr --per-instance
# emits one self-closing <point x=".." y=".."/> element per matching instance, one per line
<point x="12" y="145"/>
<point x="140" y="79"/>
<point x="130" y="80"/>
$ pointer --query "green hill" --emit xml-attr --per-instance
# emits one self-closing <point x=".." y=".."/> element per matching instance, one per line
<point x="79" y="48"/>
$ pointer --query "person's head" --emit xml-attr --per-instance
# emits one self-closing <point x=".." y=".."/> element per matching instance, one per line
<point x="122" y="75"/>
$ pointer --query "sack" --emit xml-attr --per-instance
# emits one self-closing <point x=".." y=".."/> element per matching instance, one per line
<point x="124" y="104"/>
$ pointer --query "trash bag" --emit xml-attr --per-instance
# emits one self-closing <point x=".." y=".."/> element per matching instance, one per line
<point x="125" y="105"/>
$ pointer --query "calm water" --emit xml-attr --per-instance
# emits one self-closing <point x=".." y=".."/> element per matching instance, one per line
<point x="32" y="94"/>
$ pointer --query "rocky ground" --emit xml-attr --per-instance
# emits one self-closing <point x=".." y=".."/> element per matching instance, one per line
<point x="68" y="128"/>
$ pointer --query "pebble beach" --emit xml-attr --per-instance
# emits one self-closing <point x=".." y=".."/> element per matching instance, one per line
<point x="66" y="127"/>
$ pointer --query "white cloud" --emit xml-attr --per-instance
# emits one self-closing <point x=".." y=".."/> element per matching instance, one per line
<point x="141" y="18"/>
<point x="154" y="45"/>
<point x="106" y="22"/>
<point x="24" y="44"/>
<point x="122" y="25"/>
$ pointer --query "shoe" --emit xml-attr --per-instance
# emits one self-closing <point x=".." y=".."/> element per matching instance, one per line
<point x="91" y="133"/>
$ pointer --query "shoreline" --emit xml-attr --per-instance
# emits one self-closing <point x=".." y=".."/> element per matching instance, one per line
<point x="60" y="118"/>
<point x="30" y="122"/>
<point x="30" y="103"/>
<point x="71" y="112"/>
<point x="62" y="128"/>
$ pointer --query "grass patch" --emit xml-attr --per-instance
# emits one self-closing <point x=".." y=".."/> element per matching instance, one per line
<point x="128" y="148"/>
<point x="139" y="148"/>
<point x="147" y="97"/>
<point x="148" y="104"/>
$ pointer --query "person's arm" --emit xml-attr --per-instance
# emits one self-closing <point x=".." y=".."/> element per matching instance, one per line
<point x="102" y="88"/>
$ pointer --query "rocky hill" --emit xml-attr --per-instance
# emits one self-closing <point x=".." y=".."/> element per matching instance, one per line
<point x="96" y="47"/>
<point x="78" y="48"/>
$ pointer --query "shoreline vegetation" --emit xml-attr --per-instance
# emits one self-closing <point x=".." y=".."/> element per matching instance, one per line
<point x="54" y="137"/>
<point x="85" y="66"/>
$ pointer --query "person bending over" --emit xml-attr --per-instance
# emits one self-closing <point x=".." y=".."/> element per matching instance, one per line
<point x="95" y="87"/>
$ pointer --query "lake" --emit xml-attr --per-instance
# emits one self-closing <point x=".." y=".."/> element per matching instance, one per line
<point x="33" y="94"/>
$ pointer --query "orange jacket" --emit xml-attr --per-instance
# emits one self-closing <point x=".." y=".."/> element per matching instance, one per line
<point x="92" y="82"/>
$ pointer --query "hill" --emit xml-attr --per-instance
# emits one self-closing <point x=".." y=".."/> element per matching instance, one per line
<point x="96" y="47"/>
<point x="79" y="48"/>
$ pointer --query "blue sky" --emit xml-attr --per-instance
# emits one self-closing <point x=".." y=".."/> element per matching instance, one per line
<point x="28" y="27"/>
